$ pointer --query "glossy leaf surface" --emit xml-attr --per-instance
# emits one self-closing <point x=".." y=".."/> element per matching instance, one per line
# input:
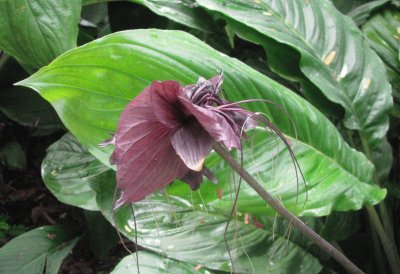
<point x="43" y="248"/>
<point x="179" y="227"/>
<point x="70" y="174"/>
<point x="383" y="34"/>
<point x="153" y="263"/>
<point x="333" y="56"/>
<point x="36" y="32"/>
<point x="90" y="86"/>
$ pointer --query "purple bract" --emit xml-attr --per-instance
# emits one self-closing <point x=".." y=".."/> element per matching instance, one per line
<point x="167" y="131"/>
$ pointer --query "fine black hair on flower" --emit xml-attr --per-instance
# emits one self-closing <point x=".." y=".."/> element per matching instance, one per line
<point x="166" y="132"/>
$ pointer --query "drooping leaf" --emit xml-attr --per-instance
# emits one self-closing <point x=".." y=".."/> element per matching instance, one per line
<point x="91" y="85"/>
<point x="383" y="34"/>
<point x="331" y="53"/>
<point x="37" y="114"/>
<point x="70" y="174"/>
<point x="153" y="263"/>
<point x="43" y="248"/>
<point x="36" y="32"/>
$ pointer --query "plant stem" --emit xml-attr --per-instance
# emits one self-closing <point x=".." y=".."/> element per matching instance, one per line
<point x="307" y="231"/>
<point x="388" y="246"/>
<point x="385" y="231"/>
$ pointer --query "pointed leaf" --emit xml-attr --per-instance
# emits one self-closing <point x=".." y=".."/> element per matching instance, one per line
<point x="333" y="56"/>
<point x="89" y="93"/>
<point x="35" y="32"/>
<point x="31" y="251"/>
<point x="383" y="34"/>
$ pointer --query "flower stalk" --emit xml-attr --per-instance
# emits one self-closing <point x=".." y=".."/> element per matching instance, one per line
<point x="296" y="222"/>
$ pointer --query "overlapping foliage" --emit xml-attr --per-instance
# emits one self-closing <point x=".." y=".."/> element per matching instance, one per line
<point x="337" y="119"/>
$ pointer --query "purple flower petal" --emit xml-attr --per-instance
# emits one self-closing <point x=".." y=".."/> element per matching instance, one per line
<point x="213" y="122"/>
<point x="192" y="143"/>
<point x="145" y="158"/>
<point x="164" y="100"/>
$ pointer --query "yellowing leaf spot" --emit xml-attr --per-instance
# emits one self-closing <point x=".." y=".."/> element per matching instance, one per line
<point x="128" y="229"/>
<point x="51" y="236"/>
<point x="198" y="267"/>
<point x="329" y="59"/>
<point x="367" y="83"/>
<point x="396" y="37"/>
<point x="398" y="30"/>
<point x="246" y="218"/>
<point x="257" y="1"/>
<point x="267" y="13"/>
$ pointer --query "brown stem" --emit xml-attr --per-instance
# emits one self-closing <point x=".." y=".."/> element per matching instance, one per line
<point x="307" y="231"/>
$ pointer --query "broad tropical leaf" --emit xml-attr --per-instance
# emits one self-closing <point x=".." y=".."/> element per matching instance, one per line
<point x="179" y="226"/>
<point x="36" y="251"/>
<point x="383" y="34"/>
<point x="36" y="32"/>
<point x="91" y="85"/>
<point x="333" y="56"/>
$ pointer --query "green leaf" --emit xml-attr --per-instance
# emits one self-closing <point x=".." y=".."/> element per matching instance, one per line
<point x="333" y="55"/>
<point x="383" y="34"/>
<point x="359" y="10"/>
<point x="195" y="234"/>
<point x="202" y="219"/>
<point x="102" y="235"/>
<point x="35" y="32"/>
<point x="33" y="250"/>
<point x="185" y="12"/>
<point x="69" y="172"/>
<point x="152" y="263"/>
<point x="13" y="156"/>
<point x="37" y="114"/>
<point x="90" y="86"/>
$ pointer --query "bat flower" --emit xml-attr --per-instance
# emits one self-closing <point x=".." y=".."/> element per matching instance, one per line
<point x="167" y="131"/>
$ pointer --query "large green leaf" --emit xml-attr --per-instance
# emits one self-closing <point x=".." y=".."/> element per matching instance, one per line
<point x="195" y="222"/>
<point x="333" y="56"/>
<point x="383" y="34"/>
<point x="90" y="86"/>
<point x="35" y="32"/>
<point x="32" y="252"/>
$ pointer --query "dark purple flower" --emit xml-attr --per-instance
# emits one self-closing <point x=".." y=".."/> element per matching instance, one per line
<point x="167" y="131"/>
